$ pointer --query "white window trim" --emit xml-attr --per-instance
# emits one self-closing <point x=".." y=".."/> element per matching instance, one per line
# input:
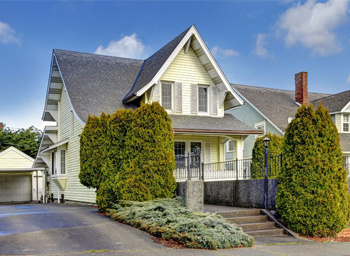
<point x="228" y="146"/>
<point x="342" y="122"/>
<point x="53" y="170"/>
<point x="208" y="99"/>
<point x="65" y="162"/>
<point x="257" y="124"/>
<point x="188" y="145"/>
<point x="172" y="95"/>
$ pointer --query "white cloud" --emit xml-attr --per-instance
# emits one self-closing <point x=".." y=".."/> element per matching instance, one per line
<point x="312" y="25"/>
<point x="217" y="51"/>
<point x="7" y="34"/>
<point x="260" y="49"/>
<point x="128" y="46"/>
<point x="348" y="79"/>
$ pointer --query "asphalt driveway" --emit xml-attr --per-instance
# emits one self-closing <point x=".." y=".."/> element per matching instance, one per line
<point x="34" y="229"/>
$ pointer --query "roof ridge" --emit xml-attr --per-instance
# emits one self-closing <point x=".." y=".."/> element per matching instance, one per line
<point x="278" y="89"/>
<point x="332" y="95"/>
<point x="186" y="30"/>
<point x="96" y="54"/>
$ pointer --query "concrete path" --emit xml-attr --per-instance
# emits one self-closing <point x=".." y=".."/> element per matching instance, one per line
<point x="52" y="229"/>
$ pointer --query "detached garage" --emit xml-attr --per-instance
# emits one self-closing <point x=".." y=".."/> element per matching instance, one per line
<point x="19" y="182"/>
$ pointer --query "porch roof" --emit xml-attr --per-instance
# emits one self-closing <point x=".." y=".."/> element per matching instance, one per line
<point x="205" y="124"/>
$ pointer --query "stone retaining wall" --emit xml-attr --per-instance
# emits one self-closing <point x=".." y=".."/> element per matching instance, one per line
<point x="236" y="193"/>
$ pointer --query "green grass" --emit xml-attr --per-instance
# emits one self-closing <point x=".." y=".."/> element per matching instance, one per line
<point x="170" y="220"/>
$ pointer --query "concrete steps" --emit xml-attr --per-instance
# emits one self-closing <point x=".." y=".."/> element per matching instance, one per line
<point x="252" y="222"/>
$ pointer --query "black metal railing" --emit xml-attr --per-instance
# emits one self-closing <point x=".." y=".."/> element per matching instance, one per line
<point x="188" y="167"/>
<point x="191" y="167"/>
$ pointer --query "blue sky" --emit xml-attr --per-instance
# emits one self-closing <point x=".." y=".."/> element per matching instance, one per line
<point x="261" y="43"/>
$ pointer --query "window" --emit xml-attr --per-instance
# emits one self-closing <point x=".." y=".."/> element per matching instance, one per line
<point x="167" y="95"/>
<point x="196" y="147"/>
<point x="180" y="149"/>
<point x="345" y="122"/>
<point x="203" y="99"/>
<point x="180" y="153"/>
<point x="260" y="126"/>
<point x="230" y="146"/>
<point x="63" y="162"/>
<point x="53" y="164"/>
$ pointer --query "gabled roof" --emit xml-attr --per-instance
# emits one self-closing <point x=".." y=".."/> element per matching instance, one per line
<point x="96" y="83"/>
<point x="275" y="104"/>
<point x="17" y="151"/>
<point x="153" y="68"/>
<point x="335" y="102"/>
<point x="154" y="63"/>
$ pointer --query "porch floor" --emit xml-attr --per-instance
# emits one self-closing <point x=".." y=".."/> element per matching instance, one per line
<point x="219" y="208"/>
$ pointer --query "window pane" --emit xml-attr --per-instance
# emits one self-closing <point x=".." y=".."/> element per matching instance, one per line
<point x="203" y="99"/>
<point x="196" y="147"/>
<point x="63" y="162"/>
<point x="346" y="118"/>
<point x="180" y="153"/>
<point x="180" y="149"/>
<point x="166" y="96"/>
<point x="345" y="127"/>
<point x="53" y="167"/>
<point x="230" y="145"/>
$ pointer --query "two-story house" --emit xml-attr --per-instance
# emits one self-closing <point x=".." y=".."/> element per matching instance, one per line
<point x="183" y="77"/>
<point x="271" y="110"/>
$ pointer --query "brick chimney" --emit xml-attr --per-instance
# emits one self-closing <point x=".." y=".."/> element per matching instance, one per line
<point x="301" y="88"/>
<point x="1" y="126"/>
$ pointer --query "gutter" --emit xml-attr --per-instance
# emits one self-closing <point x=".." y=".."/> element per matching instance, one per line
<point x="238" y="132"/>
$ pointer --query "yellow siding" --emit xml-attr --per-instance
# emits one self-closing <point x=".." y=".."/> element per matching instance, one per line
<point x="12" y="159"/>
<point x="187" y="69"/>
<point x="217" y="150"/>
<point x="338" y="122"/>
<point x="74" y="189"/>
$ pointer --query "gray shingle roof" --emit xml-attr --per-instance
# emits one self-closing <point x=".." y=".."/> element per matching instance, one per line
<point x="345" y="142"/>
<point x="227" y="123"/>
<point x="96" y="83"/>
<point x="276" y="104"/>
<point x="154" y="63"/>
<point x="335" y="102"/>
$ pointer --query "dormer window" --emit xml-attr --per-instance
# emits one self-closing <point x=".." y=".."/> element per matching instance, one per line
<point x="203" y="99"/>
<point x="346" y="122"/>
<point x="167" y="95"/>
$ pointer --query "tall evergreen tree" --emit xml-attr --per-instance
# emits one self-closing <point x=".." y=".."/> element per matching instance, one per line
<point x="258" y="156"/>
<point x="148" y="173"/>
<point x="93" y="150"/>
<point x="310" y="196"/>
<point x="118" y="126"/>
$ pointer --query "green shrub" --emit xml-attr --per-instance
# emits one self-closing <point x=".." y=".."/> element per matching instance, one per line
<point x="258" y="156"/>
<point x="92" y="150"/>
<point x="148" y="172"/>
<point x="312" y="196"/>
<point x="118" y="126"/>
<point x="170" y="220"/>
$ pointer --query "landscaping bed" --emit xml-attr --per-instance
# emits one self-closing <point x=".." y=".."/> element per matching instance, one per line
<point x="169" y="220"/>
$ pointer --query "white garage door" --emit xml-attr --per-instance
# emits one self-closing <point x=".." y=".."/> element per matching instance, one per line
<point x="15" y="188"/>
